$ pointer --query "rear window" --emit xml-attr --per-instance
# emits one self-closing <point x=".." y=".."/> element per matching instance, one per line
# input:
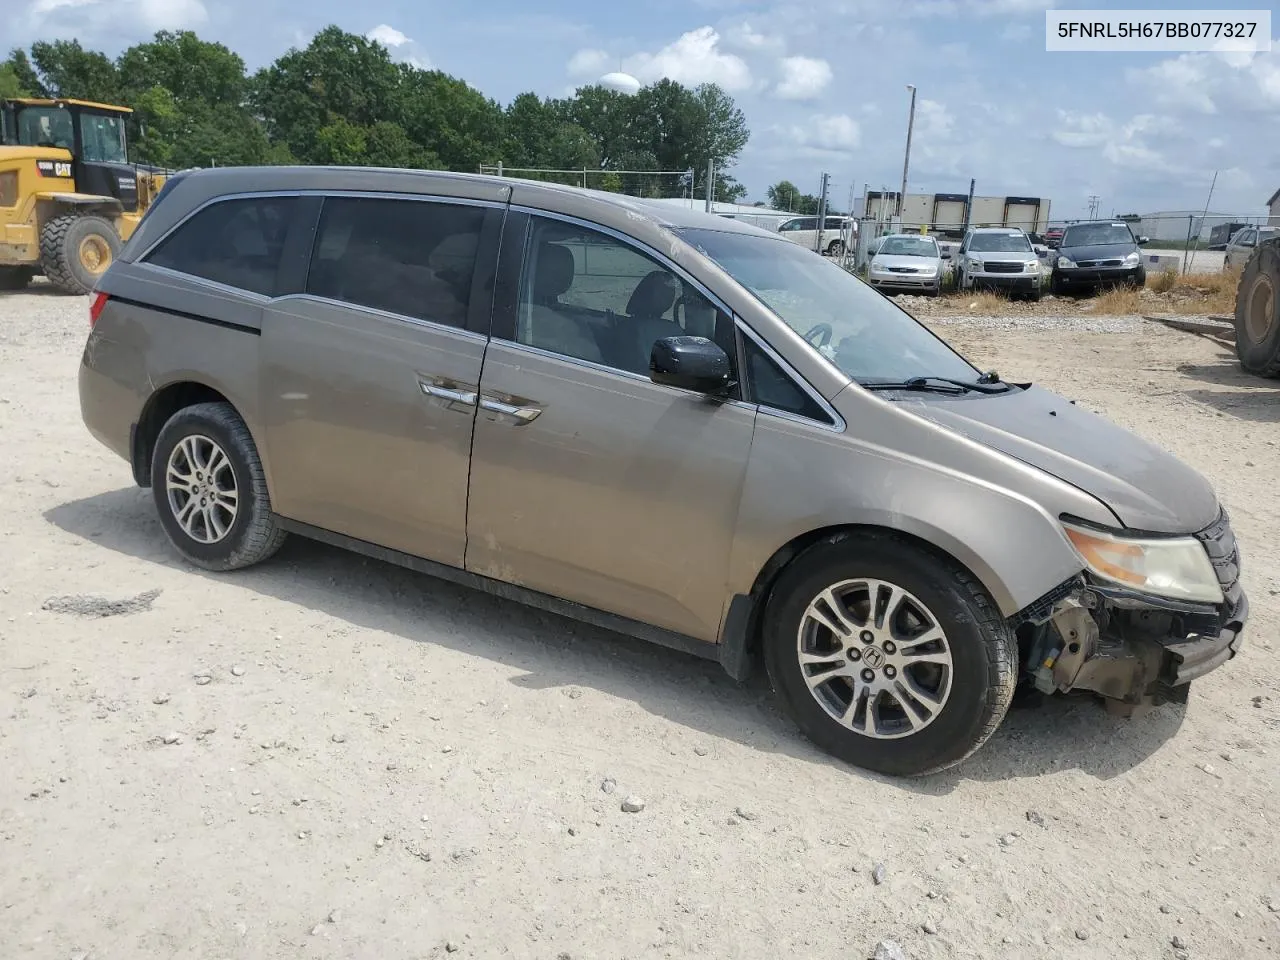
<point x="414" y="258"/>
<point x="234" y="242"/>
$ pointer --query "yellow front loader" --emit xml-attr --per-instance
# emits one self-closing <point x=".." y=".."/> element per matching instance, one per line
<point x="69" y="197"/>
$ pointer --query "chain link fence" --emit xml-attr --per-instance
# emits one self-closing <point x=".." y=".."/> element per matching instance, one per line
<point x="633" y="183"/>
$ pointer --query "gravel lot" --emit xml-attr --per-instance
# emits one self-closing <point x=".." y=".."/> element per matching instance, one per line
<point x="330" y="757"/>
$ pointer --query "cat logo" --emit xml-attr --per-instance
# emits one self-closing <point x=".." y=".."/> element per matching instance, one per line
<point x="54" y="168"/>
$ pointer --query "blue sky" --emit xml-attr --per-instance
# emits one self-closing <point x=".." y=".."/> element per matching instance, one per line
<point x="823" y="84"/>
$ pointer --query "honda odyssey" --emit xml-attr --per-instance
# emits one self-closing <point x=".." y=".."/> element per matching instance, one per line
<point x="664" y="422"/>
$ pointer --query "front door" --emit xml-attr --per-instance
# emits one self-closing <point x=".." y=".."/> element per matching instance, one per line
<point x="589" y="481"/>
<point x="369" y="377"/>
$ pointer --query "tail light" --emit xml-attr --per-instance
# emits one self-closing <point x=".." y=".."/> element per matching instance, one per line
<point x="95" y="307"/>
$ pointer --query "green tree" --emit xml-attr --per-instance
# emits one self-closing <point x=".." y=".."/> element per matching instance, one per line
<point x="66" y="69"/>
<point x="25" y="80"/>
<point x="189" y="68"/>
<point x="785" y="195"/>
<point x="456" y="122"/>
<point x="337" y="75"/>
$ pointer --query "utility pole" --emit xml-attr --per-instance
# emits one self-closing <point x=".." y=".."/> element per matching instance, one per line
<point x="968" y="205"/>
<point x="1186" y="254"/>
<point x="822" y="210"/>
<point x="711" y="183"/>
<point x="906" y="159"/>
<point x="1093" y="206"/>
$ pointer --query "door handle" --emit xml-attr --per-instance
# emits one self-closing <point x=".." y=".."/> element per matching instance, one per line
<point x="521" y="414"/>
<point x="448" y="394"/>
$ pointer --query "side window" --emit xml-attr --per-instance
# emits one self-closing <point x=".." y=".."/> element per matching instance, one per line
<point x="772" y="387"/>
<point x="236" y="242"/>
<point x="586" y="295"/>
<point x="833" y="223"/>
<point x="414" y="258"/>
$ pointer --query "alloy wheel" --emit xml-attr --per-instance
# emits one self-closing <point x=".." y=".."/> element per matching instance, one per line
<point x="875" y="658"/>
<point x="201" y="488"/>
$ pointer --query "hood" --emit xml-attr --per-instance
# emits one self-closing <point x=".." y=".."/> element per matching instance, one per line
<point x="1098" y="251"/>
<point x="1146" y="487"/>
<point x="927" y="264"/>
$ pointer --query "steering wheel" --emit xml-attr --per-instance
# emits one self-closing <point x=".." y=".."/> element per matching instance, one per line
<point x="822" y="330"/>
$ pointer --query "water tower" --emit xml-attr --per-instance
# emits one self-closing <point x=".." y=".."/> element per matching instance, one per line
<point x="620" y="82"/>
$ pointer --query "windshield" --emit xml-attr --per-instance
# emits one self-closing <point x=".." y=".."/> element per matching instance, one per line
<point x="865" y="335"/>
<point x="908" y="247"/>
<point x="999" y="243"/>
<point x="102" y="138"/>
<point x="46" y="127"/>
<point x="1088" y="234"/>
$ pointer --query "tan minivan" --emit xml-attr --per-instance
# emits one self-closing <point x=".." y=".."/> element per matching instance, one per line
<point x="664" y="422"/>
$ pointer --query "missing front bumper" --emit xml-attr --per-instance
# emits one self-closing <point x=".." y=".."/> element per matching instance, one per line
<point x="1132" y="651"/>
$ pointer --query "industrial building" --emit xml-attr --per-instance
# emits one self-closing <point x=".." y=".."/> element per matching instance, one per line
<point x="944" y="213"/>
<point x="1171" y="226"/>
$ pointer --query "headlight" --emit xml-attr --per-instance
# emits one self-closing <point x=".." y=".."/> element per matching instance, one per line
<point x="1066" y="262"/>
<point x="1132" y="259"/>
<point x="1174" y="567"/>
<point x="973" y="264"/>
<point x="1033" y="266"/>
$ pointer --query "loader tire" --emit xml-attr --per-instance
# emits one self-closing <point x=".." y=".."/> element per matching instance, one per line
<point x="1258" y="312"/>
<point x="75" y="251"/>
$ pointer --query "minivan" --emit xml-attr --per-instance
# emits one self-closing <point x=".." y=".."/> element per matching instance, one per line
<point x="664" y="422"/>
<point x="804" y="231"/>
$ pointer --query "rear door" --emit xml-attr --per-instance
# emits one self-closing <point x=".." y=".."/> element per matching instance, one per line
<point x="589" y="481"/>
<point x="369" y="376"/>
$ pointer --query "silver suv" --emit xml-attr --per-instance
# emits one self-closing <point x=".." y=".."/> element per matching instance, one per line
<point x="1000" y="258"/>
<point x="665" y="422"/>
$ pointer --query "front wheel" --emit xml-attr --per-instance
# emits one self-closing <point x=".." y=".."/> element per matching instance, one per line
<point x="888" y="656"/>
<point x="210" y="489"/>
<point x="76" y="250"/>
<point x="1258" y="313"/>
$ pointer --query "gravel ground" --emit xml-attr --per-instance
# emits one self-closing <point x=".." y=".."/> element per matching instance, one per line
<point x="329" y="757"/>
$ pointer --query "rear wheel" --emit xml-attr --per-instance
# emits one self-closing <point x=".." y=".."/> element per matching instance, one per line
<point x="210" y="489"/>
<point x="888" y="656"/>
<point x="835" y="248"/>
<point x="76" y="250"/>
<point x="15" y="278"/>
<point x="1258" y="313"/>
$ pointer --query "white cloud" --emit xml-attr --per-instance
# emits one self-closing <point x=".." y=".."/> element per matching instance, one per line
<point x="86" y="19"/>
<point x="588" y="63"/>
<point x="933" y="120"/>
<point x="827" y="133"/>
<point x="388" y="36"/>
<point x="694" y="58"/>
<point x="747" y="37"/>
<point x="1121" y="144"/>
<point x="803" y="78"/>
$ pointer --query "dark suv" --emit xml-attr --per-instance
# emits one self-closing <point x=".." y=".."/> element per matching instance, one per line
<point x="1097" y="254"/>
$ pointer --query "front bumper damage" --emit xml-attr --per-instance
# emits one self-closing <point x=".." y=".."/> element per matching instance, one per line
<point x="1134" y="649"/>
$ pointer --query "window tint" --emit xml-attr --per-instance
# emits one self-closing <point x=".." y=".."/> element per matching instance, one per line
<point x="588" y="296"/>
<point x="772" y="387"/>
<point x="102" y="138"/>
<point x="411" y="257"/>
<point x="236" y="242"/>
<point x="833" y="223"/>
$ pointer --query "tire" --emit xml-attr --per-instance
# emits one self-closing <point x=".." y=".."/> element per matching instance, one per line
<point x="973" y="694"/>
<point x="15" y="278"/>
<point x="835" y="248"/>
<point x="1057" y="287"/>
<point x="1258" y="313"/>
<point x="1034" y="295"/>
<point x="76" y="250"/>
<point x="220" y="539"/>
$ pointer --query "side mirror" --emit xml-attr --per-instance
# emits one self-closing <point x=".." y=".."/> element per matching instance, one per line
<point x="1143" y="241"/>
<point x="689" y="363"/>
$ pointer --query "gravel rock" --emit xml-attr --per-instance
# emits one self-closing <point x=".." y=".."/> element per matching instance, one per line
<point x="701" y="751"/>
<point x="451" y="947"/>
<point x="1165" y="908"/>
<point x="237" y="671"/>
<point x="317" y="930"/>
<point x="1181" y="955"/>
<point x="632" y="805"/>
<point x="929" y="927"/>
<point x="171" y="738"/>
<point x="878" y="874"/>
<point x="1178" y="943"/>
<point x="84" y="605"/>
<point x="743" y="814"/>
<point x="609" y="785"/>
<point x="1082" y="934"/>
<point x="202" y="679"/>
<point x="1035" y="817"/>
<point x="334" y="916"/>
<point x="339" y="738"/>
<point x="889" y="950"/>
<point x="160" y="699"/>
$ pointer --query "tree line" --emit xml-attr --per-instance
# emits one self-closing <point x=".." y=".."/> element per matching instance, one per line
<point x="343" y="100"/>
